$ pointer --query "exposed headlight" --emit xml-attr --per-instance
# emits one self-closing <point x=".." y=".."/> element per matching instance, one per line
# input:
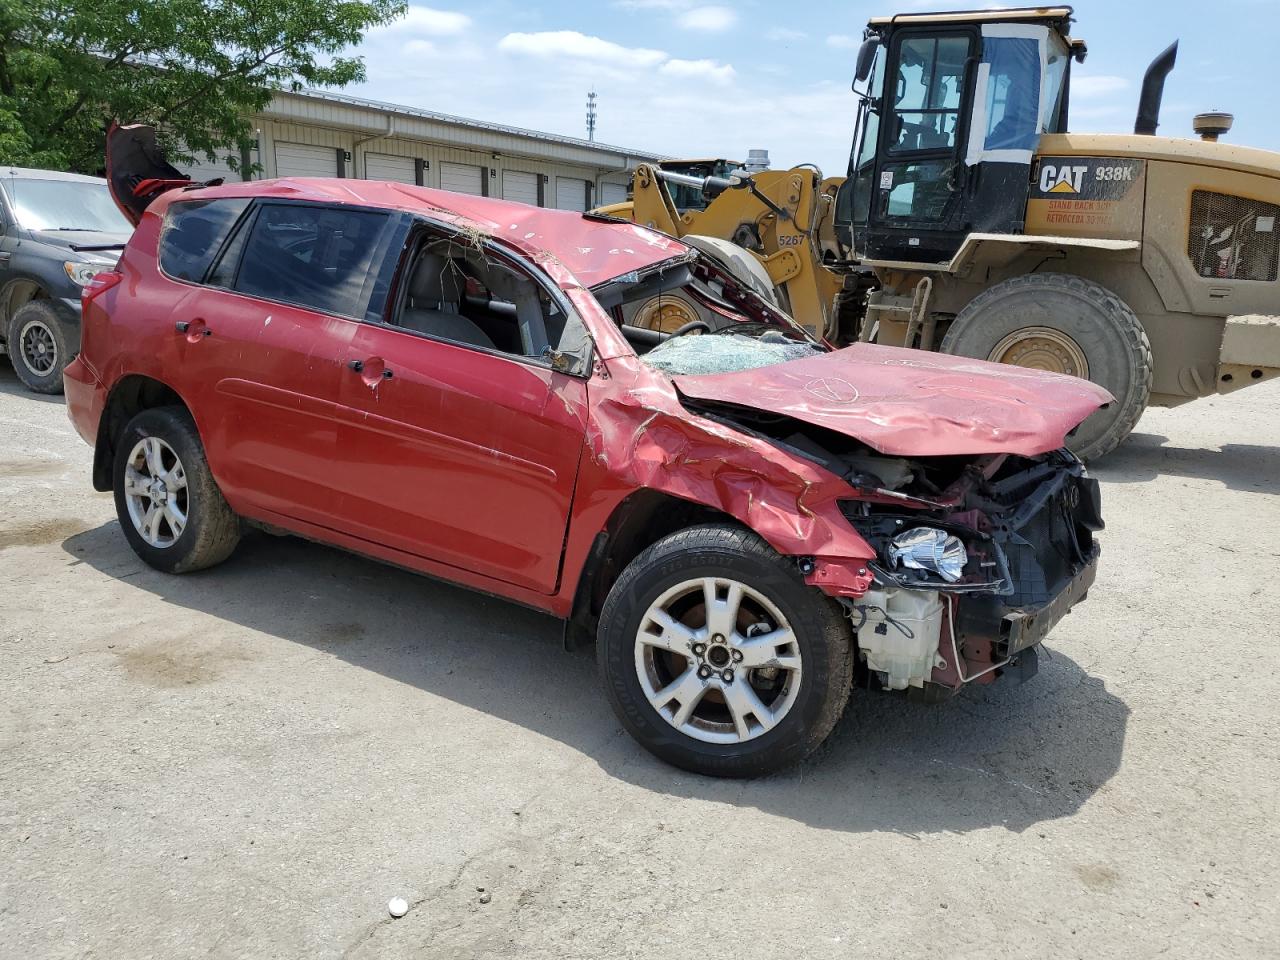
<point x="81" y="272"/>
<point x="925" y="548"/>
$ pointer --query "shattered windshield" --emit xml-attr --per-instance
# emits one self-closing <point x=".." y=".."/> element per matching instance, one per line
<point x="690" y="315"/>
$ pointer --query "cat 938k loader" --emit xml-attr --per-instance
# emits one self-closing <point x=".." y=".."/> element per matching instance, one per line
<point x="972" y="222"/>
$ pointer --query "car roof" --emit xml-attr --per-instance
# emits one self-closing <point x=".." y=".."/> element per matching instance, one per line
<point x="30" y="173"/>
<point x="594" y="249"/>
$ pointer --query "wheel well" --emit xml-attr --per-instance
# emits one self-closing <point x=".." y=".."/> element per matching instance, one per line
<point x="16" y="295"/>
<point x="129" y="397"/>
<point x="639" y="521"/>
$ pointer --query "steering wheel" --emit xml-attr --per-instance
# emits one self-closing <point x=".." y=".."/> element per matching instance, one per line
<point x="689" y="327"/>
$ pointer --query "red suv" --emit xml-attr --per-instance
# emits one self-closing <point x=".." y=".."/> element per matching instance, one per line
<point x="491" y="393"/>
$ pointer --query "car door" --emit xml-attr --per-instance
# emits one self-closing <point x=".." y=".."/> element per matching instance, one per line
<point x="264" y="337"/>
<point x="463" y="454"/>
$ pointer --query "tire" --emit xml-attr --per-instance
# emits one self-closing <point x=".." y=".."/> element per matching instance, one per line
<point x="1107" y="333"/>
<point x="37" y="346"/>
<point x="209" y="531"/>
<point x="802" y="683"/>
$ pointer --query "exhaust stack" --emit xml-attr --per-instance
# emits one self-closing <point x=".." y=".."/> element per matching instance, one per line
<point x="1153" y="92"/>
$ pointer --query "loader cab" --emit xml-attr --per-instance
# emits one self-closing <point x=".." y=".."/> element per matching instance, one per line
<point x="951" y="109"/>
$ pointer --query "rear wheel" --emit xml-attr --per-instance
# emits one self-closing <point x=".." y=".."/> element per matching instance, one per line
<point x="1064" y="324"/>
<point x="37" y="346"/>
<point x="170" y="507"/>
<point x="717" y="656"/>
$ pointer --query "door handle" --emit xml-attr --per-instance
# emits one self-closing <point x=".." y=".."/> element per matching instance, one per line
<point x="184" y="326"/>
<point x="358" y="367"/>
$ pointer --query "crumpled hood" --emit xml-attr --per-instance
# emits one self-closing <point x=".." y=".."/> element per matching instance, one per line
<point x="912" y="403"/>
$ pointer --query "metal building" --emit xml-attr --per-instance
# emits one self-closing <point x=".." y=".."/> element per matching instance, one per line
<point x="317" y="134"/>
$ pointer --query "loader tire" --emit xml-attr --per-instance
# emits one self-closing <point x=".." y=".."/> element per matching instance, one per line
<point x="1064" y="323"/>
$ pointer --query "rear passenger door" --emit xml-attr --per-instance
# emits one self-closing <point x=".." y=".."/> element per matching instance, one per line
<point x="266" y="334"/>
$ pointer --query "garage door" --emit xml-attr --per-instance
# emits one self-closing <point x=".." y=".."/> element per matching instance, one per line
<point x="571" y="193"/>
<point x="612" y="193"/>
<point x="304" y="160"/>
<point x="460" y="178"/>
<point x="383" y="166"/>
<point x="520" y="187"/>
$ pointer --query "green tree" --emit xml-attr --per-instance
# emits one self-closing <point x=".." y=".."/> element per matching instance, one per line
<point x="194" y="68"/>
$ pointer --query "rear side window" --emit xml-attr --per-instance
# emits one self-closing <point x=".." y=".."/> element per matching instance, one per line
<point x="193" y="233"/>
<point x="325" y="258"/>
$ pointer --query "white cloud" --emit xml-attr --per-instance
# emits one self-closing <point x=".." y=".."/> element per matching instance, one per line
<point x="783" y="34"/>
<point x="1100" y="86"/>
<point x="843" y="41"/>
<point x="651" y="4"/>
<point x="709" y="19"/>
<point x="419" y="48"/>
<point x="719" y="73"/>
<point x="571" y="43"/>
<point x="429" y="21"/>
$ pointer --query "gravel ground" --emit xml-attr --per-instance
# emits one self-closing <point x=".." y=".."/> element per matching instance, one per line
<point x="249" y="762"/>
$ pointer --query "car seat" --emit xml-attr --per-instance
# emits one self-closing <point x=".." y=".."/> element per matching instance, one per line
<point x="435" y="295"/>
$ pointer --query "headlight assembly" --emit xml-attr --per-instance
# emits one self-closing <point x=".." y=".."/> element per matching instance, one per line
<point x="929" y="549"/>
<point x="81" y="273"/>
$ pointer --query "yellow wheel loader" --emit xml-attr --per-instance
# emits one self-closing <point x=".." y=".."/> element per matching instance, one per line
<point x="974" y="223"/>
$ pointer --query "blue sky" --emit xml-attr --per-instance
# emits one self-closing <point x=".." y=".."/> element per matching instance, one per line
<point x="689" y="78"/>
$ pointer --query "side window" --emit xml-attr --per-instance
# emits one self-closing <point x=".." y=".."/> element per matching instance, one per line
<point x="326" y="258"/>
<point x="930" y="84"/>
<point x="919" y="191"/>
<point x="1013" y="93"/>
<point x="193" y="232"/>
<point x="477" y="298"/>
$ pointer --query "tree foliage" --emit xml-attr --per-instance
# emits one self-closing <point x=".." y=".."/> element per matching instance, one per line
<point x="194" y="68"/>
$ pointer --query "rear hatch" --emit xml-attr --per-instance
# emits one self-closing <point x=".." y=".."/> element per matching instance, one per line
<point x="137" y="171"/>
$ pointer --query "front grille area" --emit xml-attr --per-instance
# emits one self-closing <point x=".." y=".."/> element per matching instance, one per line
<point x="1027" y="532"/>
<point x="1233" y="238"/>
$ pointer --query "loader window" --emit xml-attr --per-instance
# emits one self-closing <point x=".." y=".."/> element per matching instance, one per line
<point x="926" y="106"/>
<point x="1013" y="93"/>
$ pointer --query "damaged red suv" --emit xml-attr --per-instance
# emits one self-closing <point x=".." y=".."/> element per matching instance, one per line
<point x="743" y="518"/>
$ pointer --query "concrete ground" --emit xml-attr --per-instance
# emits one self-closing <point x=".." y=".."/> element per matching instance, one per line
<point x="249" y="762"/>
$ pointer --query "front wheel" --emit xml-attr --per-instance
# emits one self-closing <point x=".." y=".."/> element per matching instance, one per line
<point x="38" y="346"/>
<point x="717" y="656"/>
<point x="169" y="505"/>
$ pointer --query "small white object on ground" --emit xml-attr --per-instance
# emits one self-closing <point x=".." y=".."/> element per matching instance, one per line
<point x="397" y="907"/>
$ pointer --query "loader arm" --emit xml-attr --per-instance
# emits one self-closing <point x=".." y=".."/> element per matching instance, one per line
<point x="783" y="217"/>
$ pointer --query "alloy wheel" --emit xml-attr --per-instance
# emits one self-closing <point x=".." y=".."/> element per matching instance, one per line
<point x="717" y="660"/>
<point x="155" y="489"/>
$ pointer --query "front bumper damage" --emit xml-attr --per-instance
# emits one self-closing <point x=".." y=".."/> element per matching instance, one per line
<point x="1027" y="526"/>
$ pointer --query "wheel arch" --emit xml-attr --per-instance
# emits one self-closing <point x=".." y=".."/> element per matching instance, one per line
<point x="129" y="396"/>
<point x="638" y="521"/>
<point x="17" y="293"/>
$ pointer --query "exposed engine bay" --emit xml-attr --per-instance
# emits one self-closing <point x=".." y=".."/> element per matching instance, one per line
<point x="977" y="556"/>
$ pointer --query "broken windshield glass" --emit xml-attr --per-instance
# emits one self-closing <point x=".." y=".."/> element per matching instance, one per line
<point x="725" y="353"/>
